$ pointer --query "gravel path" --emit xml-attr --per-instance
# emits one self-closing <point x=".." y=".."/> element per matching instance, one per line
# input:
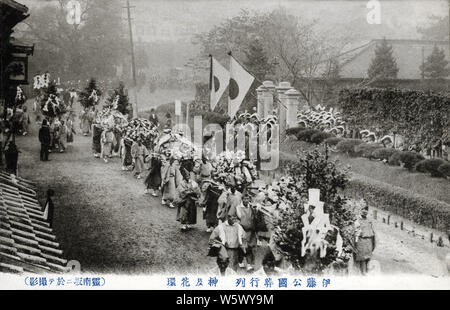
<point x="104" y="220"/>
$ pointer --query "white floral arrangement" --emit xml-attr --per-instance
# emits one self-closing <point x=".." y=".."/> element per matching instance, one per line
<point x="173" y="145"/>
<point x="233" y="169"/>
<point x="112" y="119"/>
<point x="94" y="97"/>
<point x="246" y="118"/>
<point x="320" y="118"/>
<point x="41" y="81"/>
<point x="53" y="102"/>
<point x="20" y="96"/>
<point x="140" y="128"/>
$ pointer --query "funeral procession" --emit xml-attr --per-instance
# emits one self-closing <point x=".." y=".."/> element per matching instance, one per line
<point x="216" y="144"/>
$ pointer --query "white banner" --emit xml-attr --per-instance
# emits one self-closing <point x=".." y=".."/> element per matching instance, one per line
<point x="240" y="82"/>
<point x="178" y="107"/>
<point x="219" y="80"/>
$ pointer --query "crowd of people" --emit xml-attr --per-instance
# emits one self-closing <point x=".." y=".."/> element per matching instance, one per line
<point x="238" y="217"/>
<point x="55" y="134"/>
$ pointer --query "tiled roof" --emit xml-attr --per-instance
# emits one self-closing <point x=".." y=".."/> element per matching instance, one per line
<point x="27" y="242"/>
<point x="15" y="5"/>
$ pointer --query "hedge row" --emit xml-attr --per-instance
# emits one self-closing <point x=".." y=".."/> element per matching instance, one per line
<point x="415" y="207"/>
<point x="422" y="117"/>
<point x="356" y="147"/>
<point x="420" y="209"/>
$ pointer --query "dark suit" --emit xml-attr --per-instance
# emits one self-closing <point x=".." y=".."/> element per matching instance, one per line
<point x="45" y="139"/>
<point x="154" y="119"/>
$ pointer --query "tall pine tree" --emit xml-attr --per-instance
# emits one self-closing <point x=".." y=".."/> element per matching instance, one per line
<point x="257" y="61"/>
<point x="123" y="104"/>
<point x="435" y="67"/>
<point x="384" y="65"/>
<point x="51" y="105"/>
<point x="258" y="64"/>
<point x="87" y="99"/>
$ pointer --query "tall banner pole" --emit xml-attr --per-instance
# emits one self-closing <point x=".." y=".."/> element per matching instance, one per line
<point x="187" y="118"/>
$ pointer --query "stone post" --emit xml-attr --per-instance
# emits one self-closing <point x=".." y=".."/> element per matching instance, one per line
<point x="292" y="107"/>
<point x="269" y="90"/>
<point x="260" y="101"/>
<point x="281" y="89"/>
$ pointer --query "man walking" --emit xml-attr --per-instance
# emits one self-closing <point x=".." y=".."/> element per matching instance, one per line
<point x="246" y="216"/>
<point x="230" y="235"/>
<point x="44" y="138"/>
<point x="153" y="118"/>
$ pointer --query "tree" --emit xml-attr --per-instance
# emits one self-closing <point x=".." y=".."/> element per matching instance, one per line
<point x="435" y="67"/>
<point x="51" y="105"/>
<point x="75" y="52"/>
<point x="314" y="170"/>
<point x="257" y="62"/>
<point x="123" y="104"/>
<point x="298" y="47"/>
<point x="90" y="96"/>
<point x="384" y="65"/>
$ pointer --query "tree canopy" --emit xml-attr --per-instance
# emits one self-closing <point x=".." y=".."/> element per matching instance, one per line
<point x="384" y="65"/>
<point x="436" y="66"/>
<point x="92" y="48"/>
<point x="288" y="48"/>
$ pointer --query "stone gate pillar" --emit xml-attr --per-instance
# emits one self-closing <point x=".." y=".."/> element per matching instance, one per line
<point x="281" y="89"/>
<point x="260" y="101"/>
<point x="269" y="90"/>
<point x="292" y="107"/>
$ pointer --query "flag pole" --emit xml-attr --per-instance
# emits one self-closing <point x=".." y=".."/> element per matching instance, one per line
<point x="229" y="86"/>
<point x="211" y="81"/>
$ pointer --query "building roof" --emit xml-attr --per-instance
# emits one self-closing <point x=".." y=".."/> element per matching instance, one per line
<point x="27" y="242"/>
<point x="19" y="12"/>
<point x="21" y="46"/>
<point x="15" y="5"/>
<point x="409" y="55"/>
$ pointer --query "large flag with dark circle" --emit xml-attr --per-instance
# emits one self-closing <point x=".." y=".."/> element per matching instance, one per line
<point x="240" y="83"/>
<point x="218" y="82"/>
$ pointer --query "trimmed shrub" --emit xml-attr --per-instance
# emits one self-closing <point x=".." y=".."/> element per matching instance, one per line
<point x="333" y="141"/>
<point x="444" y="169"/>
<point x="319" y="137"/>
<point x="408" y="159"/>
<point x="394" y="160"/>
<point x="305" y="134"/>
<point x="213" y="117"/>
<point x="294" y="130"/>
<point x="365" y="149"/>
<point x="166" y="108"/>
<point x="347" y="146"/>
<point x="383" y="153"/>
<point x="420" y="209"/>
<point x="430" y="165"/>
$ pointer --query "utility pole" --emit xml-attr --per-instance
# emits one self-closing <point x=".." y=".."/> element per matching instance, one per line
<point x="187" y="118"/>
<point x="423" y="63"/>
<point x="133" y="66"/>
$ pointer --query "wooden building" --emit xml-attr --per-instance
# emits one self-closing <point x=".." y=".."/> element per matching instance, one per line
<point x="13" y="54"/>
<point x="27" y="241"/>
